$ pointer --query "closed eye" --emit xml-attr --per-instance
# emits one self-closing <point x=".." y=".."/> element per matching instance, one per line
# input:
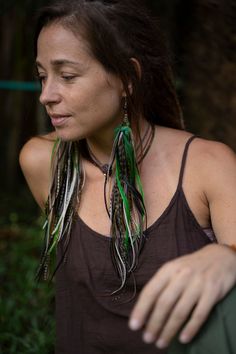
<point x="68" y="77"/>
<point x="40" y="77"/>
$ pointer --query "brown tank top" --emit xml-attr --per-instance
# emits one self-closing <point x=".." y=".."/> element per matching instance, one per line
<point x="89" y="320"/>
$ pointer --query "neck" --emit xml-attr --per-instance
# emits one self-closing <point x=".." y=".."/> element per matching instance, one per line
<point x="100" y="148"/>
<point x="101" y="145"/>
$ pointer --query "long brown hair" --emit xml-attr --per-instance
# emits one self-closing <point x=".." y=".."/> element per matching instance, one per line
<point x="117" y="31"/>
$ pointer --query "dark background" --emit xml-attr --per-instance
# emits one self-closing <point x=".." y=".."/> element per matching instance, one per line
<point x="202" y="38"/>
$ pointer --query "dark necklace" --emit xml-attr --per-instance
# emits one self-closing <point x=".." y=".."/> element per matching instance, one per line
<point x="146" y="144"/>
<point x="102" y="167"/>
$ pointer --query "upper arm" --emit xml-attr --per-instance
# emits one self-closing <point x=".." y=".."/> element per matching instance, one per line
<point x="35" y="161"/>
<point x="219" y="182"/>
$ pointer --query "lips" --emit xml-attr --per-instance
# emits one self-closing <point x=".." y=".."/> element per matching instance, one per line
<point x="59" y="119"/>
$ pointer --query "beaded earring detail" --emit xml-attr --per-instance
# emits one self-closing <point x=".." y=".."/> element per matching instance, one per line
<point x="127" y="210"/>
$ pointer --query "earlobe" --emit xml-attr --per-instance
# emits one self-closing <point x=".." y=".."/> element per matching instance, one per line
<point x="130" y="87"/>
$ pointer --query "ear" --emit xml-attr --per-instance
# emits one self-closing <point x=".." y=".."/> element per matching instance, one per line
<point x="137" y="68"/>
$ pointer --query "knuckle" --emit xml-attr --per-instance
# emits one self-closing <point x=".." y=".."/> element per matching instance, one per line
<point x="179" y="267"/>
<point x="168" y="267"/>
<point x="179" y="316"/>
<point x="164" y="302"/>
<point x="199" y="317"/>
<point x="213" y="287"/>
<point x="186" y="271"/>
<point x="197" y="284"/>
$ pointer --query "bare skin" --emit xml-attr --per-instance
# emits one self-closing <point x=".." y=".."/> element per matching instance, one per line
<point x="198" y="280"/>
<point x="210" y="272"/>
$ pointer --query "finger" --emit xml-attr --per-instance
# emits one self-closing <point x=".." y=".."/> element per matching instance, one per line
<point x="164" y="306"/>
<point x="179" y="315"/>
<point x="199" y="316"/>
<point x="147" y="299"/>
<point x="160" y="312"/>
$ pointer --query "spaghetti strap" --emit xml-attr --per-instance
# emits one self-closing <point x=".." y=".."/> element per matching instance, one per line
<point x="183" y="163"/>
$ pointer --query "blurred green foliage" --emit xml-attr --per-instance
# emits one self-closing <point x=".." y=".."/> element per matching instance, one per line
<point x="26" y="307"/>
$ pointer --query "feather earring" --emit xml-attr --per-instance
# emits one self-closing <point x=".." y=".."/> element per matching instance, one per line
<point x="127" y="210"/>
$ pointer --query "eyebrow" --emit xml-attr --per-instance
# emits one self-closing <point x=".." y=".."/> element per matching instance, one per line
<point x="59" y="62"/>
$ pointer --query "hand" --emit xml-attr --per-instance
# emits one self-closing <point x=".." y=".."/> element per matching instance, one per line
<point x="183" y="292"/>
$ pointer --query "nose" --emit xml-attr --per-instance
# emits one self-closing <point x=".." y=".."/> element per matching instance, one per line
<point x="50" y="93"/>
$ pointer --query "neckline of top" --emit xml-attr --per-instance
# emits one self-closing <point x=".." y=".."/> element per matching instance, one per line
<point x="148" y="229"/>
<point x="169" y="205"/>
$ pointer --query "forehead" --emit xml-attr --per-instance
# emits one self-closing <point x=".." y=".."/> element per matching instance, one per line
<point x="57" y="40"/>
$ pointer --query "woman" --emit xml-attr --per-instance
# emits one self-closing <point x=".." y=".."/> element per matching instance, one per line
<point x="141" y="212"/>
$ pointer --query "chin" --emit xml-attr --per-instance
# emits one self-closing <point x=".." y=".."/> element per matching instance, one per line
<point x="68" y="136"/>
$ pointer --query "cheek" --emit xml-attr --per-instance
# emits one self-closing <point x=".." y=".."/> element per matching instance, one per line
<point x="109" y="108"/>
<point x="109" y="99"/>
<point x="102" y="104"/>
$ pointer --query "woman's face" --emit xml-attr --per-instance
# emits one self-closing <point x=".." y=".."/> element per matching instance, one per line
<point x="81" y="98"/>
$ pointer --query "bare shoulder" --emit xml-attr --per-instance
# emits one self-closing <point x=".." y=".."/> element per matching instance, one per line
<point x="209" y="162"/>
<point x="213" y="155"/>
<point x="36" y="150"/>
<point x="35" y="161"/>
<point x="214" y="164"/>
<point x="203" y="152"/>
<point x="170" y="140"/>
<point x="210" y="182"/>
